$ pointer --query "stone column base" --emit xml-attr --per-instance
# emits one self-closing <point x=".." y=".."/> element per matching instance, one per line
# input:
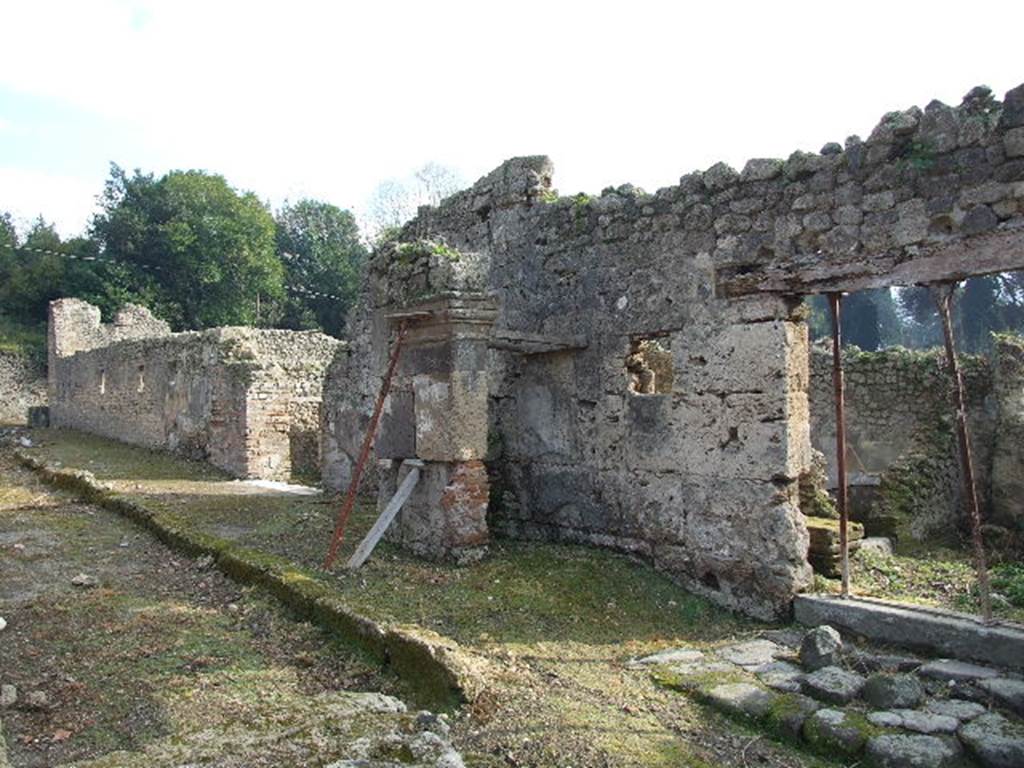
<point x="446" y="516"/>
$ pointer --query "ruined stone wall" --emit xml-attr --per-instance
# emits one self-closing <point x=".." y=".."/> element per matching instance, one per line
<point x="900" y="436"/>
<point x="701" y="480"/>
<point x="245" y="399"/>
<point x="1008" y="449"/>
<point x="22" y="386"/>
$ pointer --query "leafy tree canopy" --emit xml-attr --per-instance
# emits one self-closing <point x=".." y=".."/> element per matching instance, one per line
<point x="202" y="252"/>
<point x="319" y="246"/>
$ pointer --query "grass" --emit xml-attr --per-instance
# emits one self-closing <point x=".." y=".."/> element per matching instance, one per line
<point x="165" y="662"/>
<point x="555" y="623"/>
<point x="938" y="576"/>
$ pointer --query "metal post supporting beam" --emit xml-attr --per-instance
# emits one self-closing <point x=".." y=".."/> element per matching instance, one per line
<point x="943" y="294"/>
<point x="357" y="471"/>
<point x="835" y="301"/>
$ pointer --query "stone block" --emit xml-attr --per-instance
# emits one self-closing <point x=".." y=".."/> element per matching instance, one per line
<point x="451" y="416"/>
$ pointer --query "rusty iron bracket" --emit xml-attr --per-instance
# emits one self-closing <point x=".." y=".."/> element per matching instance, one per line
<point x="835" y="301"/>
<point x="943" y="295"/>
<point x="371" y="431"/>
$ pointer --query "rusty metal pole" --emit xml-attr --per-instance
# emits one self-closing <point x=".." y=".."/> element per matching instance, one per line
<point x="835" y="301"/>
<point x="357" y="472"/>
<point x="943" y="294"/>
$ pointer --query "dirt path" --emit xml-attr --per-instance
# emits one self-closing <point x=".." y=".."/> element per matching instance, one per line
<point x="125" y="653"/>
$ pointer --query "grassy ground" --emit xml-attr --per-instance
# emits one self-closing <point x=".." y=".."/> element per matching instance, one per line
<point x="163" y="661"/>
<point x="940" y="576"/>
<point x="557" y="623"/>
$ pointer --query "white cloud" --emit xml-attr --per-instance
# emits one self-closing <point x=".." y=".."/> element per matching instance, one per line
<point x="66" y="201"/>
<point x="329" y="99"/>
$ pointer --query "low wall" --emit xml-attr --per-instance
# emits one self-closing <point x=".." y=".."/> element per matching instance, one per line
<point x="247" y="400"/>
<point x="22" y="386"/>
<point x="902" y="448"/>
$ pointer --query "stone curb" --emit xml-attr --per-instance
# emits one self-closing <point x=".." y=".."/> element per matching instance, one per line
<point x="442" y="674"/>
<point x="943" y="633"/>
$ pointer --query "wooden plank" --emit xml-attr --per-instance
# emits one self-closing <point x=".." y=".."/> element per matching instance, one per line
<point x="532" y="343"/>
<point x="956" y="259"/>
<point x="365" y="548"/>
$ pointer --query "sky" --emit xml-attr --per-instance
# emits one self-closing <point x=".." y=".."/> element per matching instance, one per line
<point x="328" y="99"/>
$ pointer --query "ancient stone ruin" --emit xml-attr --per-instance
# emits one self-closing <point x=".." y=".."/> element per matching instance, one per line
<point x="629" y="371"/>
<point x="540" y="327"/>
<point x="247" y="400"/>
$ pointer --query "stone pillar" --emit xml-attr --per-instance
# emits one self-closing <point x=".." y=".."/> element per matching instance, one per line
<point x="437" y="412"/>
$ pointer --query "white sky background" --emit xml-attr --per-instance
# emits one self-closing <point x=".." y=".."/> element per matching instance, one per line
<point x="293" y="99"/>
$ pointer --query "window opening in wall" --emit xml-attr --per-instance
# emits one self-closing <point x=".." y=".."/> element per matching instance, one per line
<point x="650" y="366"/>
<point x="142" y="378"/>
<point x="103" y="382"/>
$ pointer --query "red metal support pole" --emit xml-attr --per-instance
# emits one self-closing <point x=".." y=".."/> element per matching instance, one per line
<point x="943" y="294"/>
<point x="835" y="301"/>
<point x="357" y="472"/>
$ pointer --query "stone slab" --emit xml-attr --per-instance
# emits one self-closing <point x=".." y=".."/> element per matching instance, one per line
<point x="751" y="653"/>
<point x="951" y="634"/>
<point x="912" y="751"/>
<point x="670" y="656"/>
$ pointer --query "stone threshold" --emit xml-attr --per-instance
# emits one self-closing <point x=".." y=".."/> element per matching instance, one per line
<point x="932" y="630"/>
<point x="442" y="674"/>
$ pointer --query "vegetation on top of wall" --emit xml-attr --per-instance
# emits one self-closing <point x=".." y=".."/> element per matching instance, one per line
<point x="22" y="339"/>
<point x="409" y="251"/>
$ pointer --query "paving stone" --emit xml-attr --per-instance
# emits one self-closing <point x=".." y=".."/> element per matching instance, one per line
<point x="751" y="653"/>
<point x="8" y="695"/>
<point x="834" y="685"/>
<point x="832" y="730"/>
<point x="1007" y="692"/>
<point x="994" y="741"/>
<point x="880" y="662"/>
<point x="889" y="691"/>
<point x="780" y="675"/>
<point x="821" y="647"/>
<point x="885" y="719"/>
<point x="742" y="699"/>
<point x="790" y="637"/>
<point x="892" y="750"/>
<point x="964" y="689"/>
<point x="702" y="667"/>
<point x="958" y="708"/>
<point x="948" y="669"/>
<point x="926" y="722"/>
<point x="669" y="656"/>
<point x="789" y="713"/>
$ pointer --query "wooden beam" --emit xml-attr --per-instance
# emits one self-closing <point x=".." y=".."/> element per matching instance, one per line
<point x="533" y="343"/>
<point x="957" y="259"/>
<point x="366" y="546"/>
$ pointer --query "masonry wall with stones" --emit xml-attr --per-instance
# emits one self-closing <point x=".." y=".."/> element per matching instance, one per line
<point x="901" y="446"/>
<point x="22" y="386"/>
<point x="700" y="478"/>
<point x="247" y="400"/>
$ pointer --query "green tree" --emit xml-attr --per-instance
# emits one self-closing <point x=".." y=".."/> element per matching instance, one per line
<point x="318" y="244"/>
<point x="43" y="268"/>
<point x="201" y="251"/>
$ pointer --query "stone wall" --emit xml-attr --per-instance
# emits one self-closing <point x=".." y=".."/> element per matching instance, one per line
<point x="902" y="449"/>
<point x="22" y="386"/>
<point x="245" y="399"/>
<point x="703" y="479"/>
<point x="1008" y="448"/>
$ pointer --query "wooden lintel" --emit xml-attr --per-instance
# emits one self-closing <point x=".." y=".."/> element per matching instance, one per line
<point x="533" y="343"/>
<point x="990" y="253"/>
